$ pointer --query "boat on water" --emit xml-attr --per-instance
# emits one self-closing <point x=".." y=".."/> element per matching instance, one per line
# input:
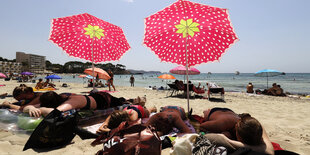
<point x="237" y="72"/>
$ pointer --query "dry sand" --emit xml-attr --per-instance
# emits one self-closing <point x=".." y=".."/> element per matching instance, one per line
<point x="286" y="119"/>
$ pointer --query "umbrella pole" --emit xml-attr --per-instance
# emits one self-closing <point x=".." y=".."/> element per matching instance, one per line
<point x="187" y="85"/>
<point x="92" y="62"/>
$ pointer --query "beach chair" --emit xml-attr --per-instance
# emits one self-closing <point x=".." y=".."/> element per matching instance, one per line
<point x="198" y="91"/>
<point x="190" y="89"/>
<point x="173" y="89"/>
<point x="216" y="90"/>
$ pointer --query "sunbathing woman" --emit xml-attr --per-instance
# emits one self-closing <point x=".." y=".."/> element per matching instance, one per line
<point x="51" y="100"/>
<point x="131" y="114"/>
<point x="24" y="95"/>
<point x="167" y="119"/>
<point x="220" y="120"/>
<point x="250" y="134"/>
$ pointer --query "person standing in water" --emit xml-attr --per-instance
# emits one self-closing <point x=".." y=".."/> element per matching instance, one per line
<point x="132" y="81"/>
<point x="110" y="82"/>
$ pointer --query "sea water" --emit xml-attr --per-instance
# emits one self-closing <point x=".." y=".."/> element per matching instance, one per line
<point x="295" y="83"/>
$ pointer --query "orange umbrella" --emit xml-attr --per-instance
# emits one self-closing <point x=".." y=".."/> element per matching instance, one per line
<point x="166" y="76"/>
<point x="97" y="72"/>
<point x="82" y="76"/>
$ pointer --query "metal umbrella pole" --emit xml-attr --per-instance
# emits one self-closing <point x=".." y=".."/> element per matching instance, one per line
<point x="92" y="62"/>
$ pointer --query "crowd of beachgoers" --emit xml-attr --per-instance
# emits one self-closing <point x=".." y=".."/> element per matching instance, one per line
<point x="274" y="119"/>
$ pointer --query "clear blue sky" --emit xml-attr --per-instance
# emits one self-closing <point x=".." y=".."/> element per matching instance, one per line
<point x="273" y="34"/>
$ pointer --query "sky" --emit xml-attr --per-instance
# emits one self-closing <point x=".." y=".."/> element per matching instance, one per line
<point x="273" y="34"/>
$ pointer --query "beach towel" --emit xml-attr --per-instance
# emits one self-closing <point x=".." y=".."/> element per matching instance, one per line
<point x="44" y="89"/>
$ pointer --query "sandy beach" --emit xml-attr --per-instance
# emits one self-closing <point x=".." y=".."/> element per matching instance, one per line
<point x="286" y="119"/>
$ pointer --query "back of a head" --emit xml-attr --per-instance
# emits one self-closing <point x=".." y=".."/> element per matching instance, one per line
<point x="51" y="100"/>
<point x="22" y="89"/>
<point x="249" y="130"/>
<point x="117" y="117"/>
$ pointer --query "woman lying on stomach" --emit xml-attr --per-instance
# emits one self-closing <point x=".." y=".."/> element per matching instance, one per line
<point x="248" y="132"/>
<point x="68" y="101"/>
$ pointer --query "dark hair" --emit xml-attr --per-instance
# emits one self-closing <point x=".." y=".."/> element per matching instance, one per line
<point x="249" y="130"/>
<point x="40" y="80"/>
<point x="51" y="99"/>
<point x="117" y="117"/>
<point x="22" y="89"/>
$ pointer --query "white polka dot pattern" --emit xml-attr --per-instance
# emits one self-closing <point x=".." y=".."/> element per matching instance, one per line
<point x="214" y="37"/>
<point x="69" y="34"/>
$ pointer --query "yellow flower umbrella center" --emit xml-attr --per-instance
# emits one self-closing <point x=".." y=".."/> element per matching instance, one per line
<point x="94" y="31"/>
<point x="187" y="27"/>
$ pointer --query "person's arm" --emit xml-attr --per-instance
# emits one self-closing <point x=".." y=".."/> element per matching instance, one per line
<point x="269" y="148"/>
<point x="266" y="147"/>
<point x="211" y="126"/>
<point x="104" y="126"/>
<point x="32" y="111"/>
<point x="10" y="105"/>
<point x="180" y="125"/>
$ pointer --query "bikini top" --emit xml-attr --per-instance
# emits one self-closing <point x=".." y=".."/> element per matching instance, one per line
<point x="139" y="109"/>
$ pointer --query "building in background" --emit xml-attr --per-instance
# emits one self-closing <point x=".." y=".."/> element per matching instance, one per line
<point x="31" y="62"/>
<point x="10" y="67"/>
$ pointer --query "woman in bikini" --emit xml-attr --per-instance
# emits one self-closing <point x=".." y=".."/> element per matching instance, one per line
<point x="98" y="100"/>
<point x="220" y="120"/>
<point x="250" y="134"/>
<point x="130" y="114"/>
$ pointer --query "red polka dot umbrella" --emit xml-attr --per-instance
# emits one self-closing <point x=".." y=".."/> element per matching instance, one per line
<point x="189" y="34"/>
<point x="88" y="37"/>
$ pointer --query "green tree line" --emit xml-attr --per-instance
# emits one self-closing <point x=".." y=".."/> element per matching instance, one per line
<point x="79" y="67"/>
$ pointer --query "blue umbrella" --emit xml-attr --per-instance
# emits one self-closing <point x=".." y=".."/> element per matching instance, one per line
<point x="53" y="77"/>
<point x="267" y="73"/>
<point x="89" y="77"/>
<point x="26" y="73"/>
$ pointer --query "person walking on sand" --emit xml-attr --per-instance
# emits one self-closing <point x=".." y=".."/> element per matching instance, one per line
<point x="132" y="81"/>
<point x="110" y="82"/>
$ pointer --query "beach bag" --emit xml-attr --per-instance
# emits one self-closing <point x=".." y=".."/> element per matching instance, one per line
<point x="56" y="129"/>
<point x="130" y="140"/>
<point x="203" y="146"/>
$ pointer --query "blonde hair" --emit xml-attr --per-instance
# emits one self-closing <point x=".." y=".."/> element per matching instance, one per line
<point x="117" y="117"/>
<point x="21" y="89"/>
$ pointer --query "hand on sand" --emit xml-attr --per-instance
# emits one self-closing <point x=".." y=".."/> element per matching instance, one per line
<point x="103" y="128"/>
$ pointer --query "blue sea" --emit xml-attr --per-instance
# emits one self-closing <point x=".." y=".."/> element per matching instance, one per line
<point x="295" y="83"/>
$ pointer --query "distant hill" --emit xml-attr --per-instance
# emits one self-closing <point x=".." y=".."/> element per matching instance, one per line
<point x="132" y="71"/>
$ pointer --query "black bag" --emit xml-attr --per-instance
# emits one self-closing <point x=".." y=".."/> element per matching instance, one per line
<point x="56" y="129"/>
